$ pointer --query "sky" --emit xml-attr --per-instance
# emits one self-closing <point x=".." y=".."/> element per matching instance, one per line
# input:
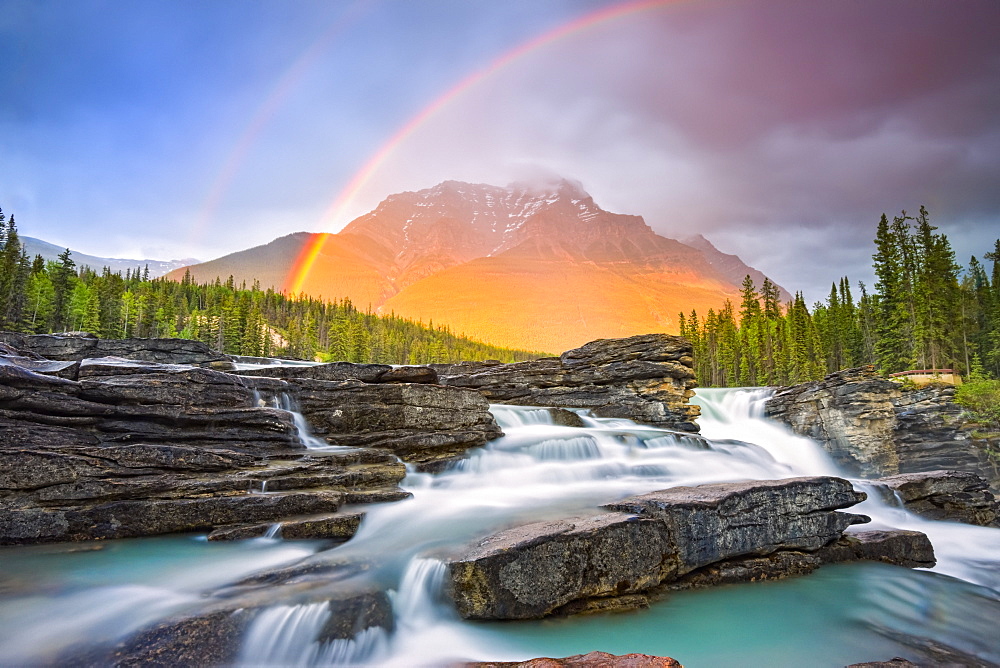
<point x="779" y="129"/>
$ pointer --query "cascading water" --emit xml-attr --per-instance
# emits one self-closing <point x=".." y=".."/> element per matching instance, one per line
<point x="838" y="615"/>
<point x="283" y="401"/>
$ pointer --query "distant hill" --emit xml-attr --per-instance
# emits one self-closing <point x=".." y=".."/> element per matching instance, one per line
<point x="541" y="268"/>
<point x="49" y="251"/>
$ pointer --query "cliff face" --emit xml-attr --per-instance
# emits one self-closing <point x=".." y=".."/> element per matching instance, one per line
<point x="874" y="427"/>
<point x="851" y="413"/>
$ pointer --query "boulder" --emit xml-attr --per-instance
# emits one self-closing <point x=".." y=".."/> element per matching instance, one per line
<point x="419" y="423"/>
<point x="710" y="523"/>
<point x="647" y="378"/>
<point x="564" y="567"/>
<point x="955" y="496"/>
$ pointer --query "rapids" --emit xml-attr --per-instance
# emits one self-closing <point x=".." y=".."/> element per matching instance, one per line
<point x="55" y="598"/>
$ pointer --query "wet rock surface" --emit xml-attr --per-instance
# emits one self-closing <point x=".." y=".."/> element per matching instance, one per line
<point x="647" y="378"/>
<point x="956" y="496"/>
<point x="672" y="539"/>
<point x="214" y="633"/>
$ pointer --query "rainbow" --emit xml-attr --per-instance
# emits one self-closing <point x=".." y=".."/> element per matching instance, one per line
<point x="279" y="94"/>
<point x="299" y="271"/>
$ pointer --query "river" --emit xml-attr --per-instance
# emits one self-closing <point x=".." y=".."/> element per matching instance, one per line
<point x="54" y="599"/>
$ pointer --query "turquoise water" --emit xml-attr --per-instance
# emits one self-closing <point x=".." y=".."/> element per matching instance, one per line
<point x="829" y="618"/>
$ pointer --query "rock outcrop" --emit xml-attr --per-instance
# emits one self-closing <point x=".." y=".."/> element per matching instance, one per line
<point x="647" y="378"/>
<point x="850" y="412"/>
<point x="139" y="448"/>
<point x="956" y="496"/>
<point x="420" y="423"/>
<point x="76" y="346"/>
<point x="876" y="427"/>
<point x="648" y="542"/>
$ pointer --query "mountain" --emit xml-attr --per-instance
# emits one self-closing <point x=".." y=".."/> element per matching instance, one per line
<point x="730" y="266"/>
<point x="543" y="268"/>
<point x="49" y="251"/>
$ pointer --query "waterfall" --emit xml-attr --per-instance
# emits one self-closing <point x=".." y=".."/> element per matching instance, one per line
<point x="284" y="401"/>
<point x="541" y="470"/>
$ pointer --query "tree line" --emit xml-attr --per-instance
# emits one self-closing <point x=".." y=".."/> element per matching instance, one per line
<point x="925" y="312"/>
<point x="39" y="296"/>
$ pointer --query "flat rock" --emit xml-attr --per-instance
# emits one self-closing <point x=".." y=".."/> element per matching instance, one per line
<point x="710" y="523"/>
<point x="339" y="526"/>
<point x="81" y="345"/>
<point x="573" y="565"/>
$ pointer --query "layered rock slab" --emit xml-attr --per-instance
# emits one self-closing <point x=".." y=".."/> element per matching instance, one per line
<point x="876" y="427"/>
<point x="550" y="567"/>
<point x="647" y="378"/>
<point x="70" y="346"/>
<point x="134" y="448"/>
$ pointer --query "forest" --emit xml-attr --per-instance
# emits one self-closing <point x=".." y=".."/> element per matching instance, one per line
<point x="925" y="312"/>
<point x="39" y="296"/>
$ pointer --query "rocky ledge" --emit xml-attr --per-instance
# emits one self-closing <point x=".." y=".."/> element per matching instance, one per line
<point x="676" y="538"/>
<point x="875" y="427"/>
<point x="111" y="447"/>
<point x="647" y="378"/>
<point x="955" y="496"/>
<point x="76" y="346"/>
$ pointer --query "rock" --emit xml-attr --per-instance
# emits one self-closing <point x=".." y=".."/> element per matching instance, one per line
<point x="138" y="448"/>
<point x="955" y="496"/>
<point x="557" y="567"/>
<point x="419" y="423"/>
<point x="894" y="662"/>
<point x="647" y="378"/>
<point x="215" y="634"/>
<point x="211" y="640"/>
<point x="366" y="373"/>
<point x="339" y="526"/>
<point x="931" y="434"/>
<point x="876" y="427"/>
<point x="850" y="412"/>
<point x="589" y="660"/>
<point x="529" y="572"/>
<point x="910" y="549"/>
<point x="565" y="418"/>
<point x="148" y="517"/>
<point x="710" y="523"/>
<point x="80" y="345"/>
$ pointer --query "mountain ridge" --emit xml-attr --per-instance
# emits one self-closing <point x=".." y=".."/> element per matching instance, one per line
<point x="539" y="267"/>
<point x="49" y="251"/>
